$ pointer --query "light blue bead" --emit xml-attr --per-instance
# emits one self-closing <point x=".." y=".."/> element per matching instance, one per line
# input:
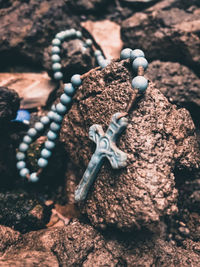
<point x="49" y="145"/>
<point x="55" y="58"/>
<point x="61" y="109"/>
<point x="32" y="132"/>
<point x="56" y="42"/>
<point x="20" y="156"/>
<point x="58" y="118"/>
<point x="58" y="75"/>
<point x="72" y="32"/>
<point x="97" y="53"/>
<point x="56" y="67"/>
<point x="23" y="147"/>
<point x="140" y="62"/>
<point x="104" y="63"/>
<point x="65" y="99"/>
<point x="54" y="127"/>
<point x="88" y="42"/>
<point x="100" y="58"/>
<point x="42" y="163"/>
<point x="60" y="36"/>
<point x="50" y="115"/>
<point x="76" y="80"/>
<point x="69" y="89"/>
<point x="55" y="50"/>
<point x="137" y="53"/>
<point x="33" y="177"/>
<point x="23" y="172"/>
<point x="51" y="135"/>
<point x="78" y="34"/>
<point x="45" y="120"/>
<point x="53" y="107"/>
<point x="140" y="83"/>
<point x="27" y="139"/>
<point x="125" y="53"/>
<point x="39" y="126"/>
<point x="45" y="153"/>
<point x="20" y="165"/>
<point x="67" y="33"/>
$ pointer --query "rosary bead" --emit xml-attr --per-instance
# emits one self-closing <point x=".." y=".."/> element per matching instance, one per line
<point x="42" y="163"/>
<point x="20" y="156"/>
<point x="76" y="80"/>
<point x="51" y="135"/>
<point x="137" y="53"/>
<point x="72" y="32"/>
<point x="55" y="50"/>
<point x="60" y="36"/>
<point x="49" y="145"/>
<point x="45" y="153"/>
<point x="140" y="83"/>
<point x="54" y="127"/>
<point x="69" y="89"/>
<point x="50" y="115"/>
<point x="140" y="62"/>
<point x="88" y="42"/>
<point x="78" y="34"/>
<point x="45" y="120"/>
<point x="100" y="58"/>
<point x="58" y="75"/>
<point x="57" y="118"/>
<point x="23" y="172"/>
<point x="56" y="67"/>
<point x="61" y="109"/>
<point x="104" y="63"/>
<point x="32" y="132"/>
<point x="56" y="42"/>
<point x="23" y="147"/>
<point x="97" y="53"/>
<point x="20" y="165"/>
<point x="65" y="99"/>
<point x="33" y="177"/>
<point x="125" y="53"/>
<point x="27" y="139"/>
<point x="55" y="58"/>
<point x="39" y="126"/>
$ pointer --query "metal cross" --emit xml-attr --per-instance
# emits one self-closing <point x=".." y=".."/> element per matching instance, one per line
<point x="106" y="147"/>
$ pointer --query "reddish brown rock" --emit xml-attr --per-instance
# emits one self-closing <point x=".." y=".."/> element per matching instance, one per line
<point x="158" y="139"/>
<point x="178" y="83"/>
<point x="169" y="34"/>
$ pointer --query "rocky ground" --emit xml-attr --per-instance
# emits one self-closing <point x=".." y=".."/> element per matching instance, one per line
<point x="144" y="215"/>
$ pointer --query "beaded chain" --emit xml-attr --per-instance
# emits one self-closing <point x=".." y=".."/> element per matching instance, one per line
<point x="54" y="117"/>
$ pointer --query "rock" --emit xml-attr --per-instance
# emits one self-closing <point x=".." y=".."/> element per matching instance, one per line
<point x="9" y="104"/>
<point x="178" y="83"/>
<point x="78" y="244"/>
<point x="163" y="34"/>
<point x="22" y="212"/>
<point x="27" y="28"/>
<point x="8" y="238"/>
<point x="33" y="88"/>
<point x="87" y="5"/>
<point x="158" y="139"/>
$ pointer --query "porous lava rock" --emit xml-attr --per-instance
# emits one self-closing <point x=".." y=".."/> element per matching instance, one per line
<point x="178" y="83"/>
<point x="22" y="212"/>
<point x="165" y="32"/>
<point x="9" y="104"/>
<point x="78" y="244"/>
<point x="159" y="139"/>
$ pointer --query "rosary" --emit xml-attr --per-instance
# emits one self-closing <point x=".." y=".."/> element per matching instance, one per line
<point x="105" y="142"/>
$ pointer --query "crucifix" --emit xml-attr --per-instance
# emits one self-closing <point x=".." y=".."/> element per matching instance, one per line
<point x="105" y="148"/>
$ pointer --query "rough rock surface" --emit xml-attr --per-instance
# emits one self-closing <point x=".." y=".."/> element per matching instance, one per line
<point x="9" y="104"/>
<point x="163" y="34"/>
<point x="178" y="83"/>
<point x="158" y="139"/>
<point x="78" y="244"/>
<point x="22" y="211"/>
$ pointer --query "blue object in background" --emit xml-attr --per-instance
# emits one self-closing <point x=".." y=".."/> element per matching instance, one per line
<point x="23" y="115"/>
